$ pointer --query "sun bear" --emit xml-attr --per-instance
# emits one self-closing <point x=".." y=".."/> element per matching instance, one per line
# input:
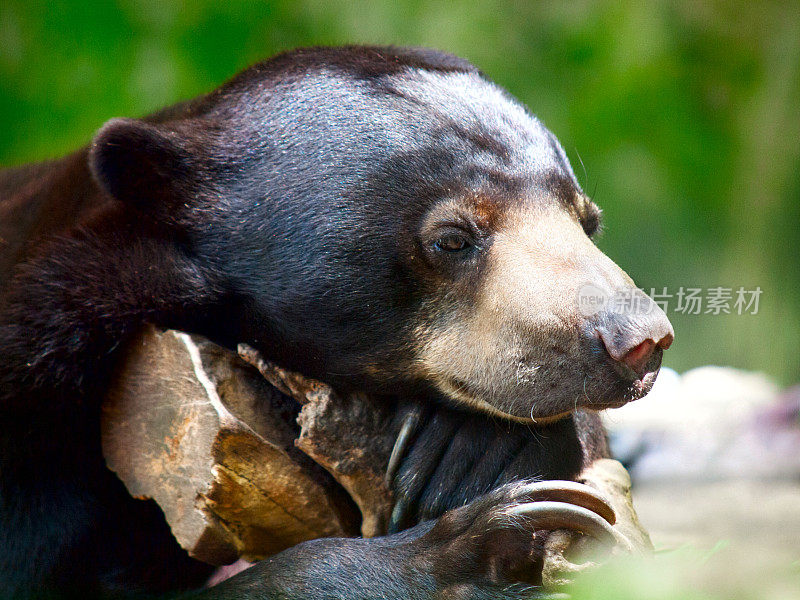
<point x="382" y="219"/>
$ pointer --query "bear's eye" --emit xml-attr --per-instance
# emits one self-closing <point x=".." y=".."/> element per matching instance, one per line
<point x="451" y="242"/>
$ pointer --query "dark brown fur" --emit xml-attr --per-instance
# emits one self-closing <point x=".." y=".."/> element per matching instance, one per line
<point x="285" y="210"/>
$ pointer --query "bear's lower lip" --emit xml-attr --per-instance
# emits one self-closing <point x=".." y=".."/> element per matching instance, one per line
<point x="641" y="387"/>
<point x="626" y="392"/>
<point x="630" y="393"/>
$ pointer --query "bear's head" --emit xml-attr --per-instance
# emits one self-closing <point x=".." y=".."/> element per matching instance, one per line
<point x="388" y="219"/>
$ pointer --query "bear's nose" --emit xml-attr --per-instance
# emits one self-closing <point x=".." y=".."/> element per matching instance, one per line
<point x="633" y="339"/>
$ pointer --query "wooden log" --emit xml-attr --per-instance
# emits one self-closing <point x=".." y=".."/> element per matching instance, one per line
<point x="193" y="427"/>
<point x="567" y="554"/>
<point x="350" y="436"/>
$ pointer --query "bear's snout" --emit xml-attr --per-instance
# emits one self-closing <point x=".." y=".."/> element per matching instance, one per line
<point x="635" y="340"/>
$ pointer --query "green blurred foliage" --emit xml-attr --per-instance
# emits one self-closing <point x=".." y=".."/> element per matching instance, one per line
<point x="688" y="573"/>
<point x="685" y="116"/>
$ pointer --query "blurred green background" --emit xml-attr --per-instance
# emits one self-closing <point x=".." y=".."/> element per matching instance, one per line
<point x="684" y="115"/>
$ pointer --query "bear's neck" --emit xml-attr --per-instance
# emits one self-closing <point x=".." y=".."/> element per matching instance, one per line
<point x="69" y="308"/>
<point x="41" y="200"/>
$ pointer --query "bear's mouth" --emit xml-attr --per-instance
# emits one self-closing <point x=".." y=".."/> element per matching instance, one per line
<point x="628" y="392"/>
<point x="621" y="391"/>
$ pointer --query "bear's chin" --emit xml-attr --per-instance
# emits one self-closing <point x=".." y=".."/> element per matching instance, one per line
<point x="530" y="408"/>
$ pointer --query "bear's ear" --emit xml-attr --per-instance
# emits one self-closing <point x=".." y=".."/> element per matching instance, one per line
<point x="147" y="166"/>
